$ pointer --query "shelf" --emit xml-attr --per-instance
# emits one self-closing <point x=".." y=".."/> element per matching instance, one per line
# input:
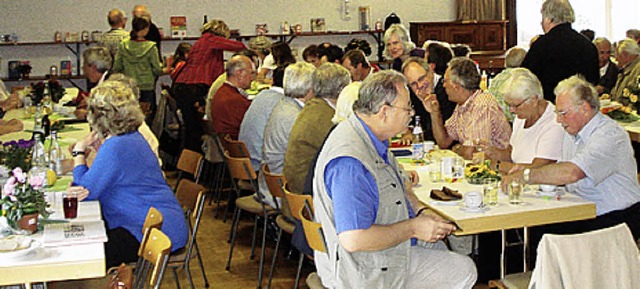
<point x="41" y="78"/>
<point x="42" y="43"/>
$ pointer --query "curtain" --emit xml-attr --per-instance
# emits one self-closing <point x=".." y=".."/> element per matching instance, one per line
<point x="469" y="10"/>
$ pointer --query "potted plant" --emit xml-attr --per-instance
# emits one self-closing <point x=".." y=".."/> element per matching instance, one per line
<point x="24" y="68"/>
<point x="15" y="154"/>
<point x="23" y="200"/>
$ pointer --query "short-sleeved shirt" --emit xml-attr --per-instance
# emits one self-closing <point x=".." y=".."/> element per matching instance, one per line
<point x="356" y="207"/>
<point x="480" y="117"/>
<point x="542" y="140"/>
<point x="602" y="150"/>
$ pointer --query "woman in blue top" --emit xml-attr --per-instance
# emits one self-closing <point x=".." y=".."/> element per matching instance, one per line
<point x="124" y="176"/>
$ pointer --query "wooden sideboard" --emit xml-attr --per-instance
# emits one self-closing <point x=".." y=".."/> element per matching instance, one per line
<point x="479" y="35"/>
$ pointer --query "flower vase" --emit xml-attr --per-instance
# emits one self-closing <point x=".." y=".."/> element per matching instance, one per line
<point x="29" y="223"/>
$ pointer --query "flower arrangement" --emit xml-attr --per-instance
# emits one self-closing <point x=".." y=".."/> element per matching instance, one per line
<point x="629" y="97"/>
<point x="22" y="196"/>
<point x="56" y="91"/>
<point x="477" y="173"/>
<point x="16" y="154"/>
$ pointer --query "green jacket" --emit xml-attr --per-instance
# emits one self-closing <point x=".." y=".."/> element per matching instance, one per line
<point x="138" y="60"/>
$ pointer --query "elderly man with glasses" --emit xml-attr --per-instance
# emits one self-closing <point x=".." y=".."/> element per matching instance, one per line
<point x="597" y="163"/>
<point x="372" y="229"/>
<point x="477" y="116"/>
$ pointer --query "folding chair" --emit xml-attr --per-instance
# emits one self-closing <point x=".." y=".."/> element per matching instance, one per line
<point x="153" y="256"/>
<point x="190" y="162"/>
<point x="296" y="204"/>
<point x="315" y="238"/>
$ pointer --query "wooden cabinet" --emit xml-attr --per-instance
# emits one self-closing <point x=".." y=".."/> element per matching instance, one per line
<point x="480" y="36"/>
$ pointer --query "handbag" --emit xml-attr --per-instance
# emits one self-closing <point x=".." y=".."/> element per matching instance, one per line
<point x="121" y="277"/>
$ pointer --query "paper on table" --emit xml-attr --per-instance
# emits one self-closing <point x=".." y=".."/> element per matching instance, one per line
<point x="76" y="232"/>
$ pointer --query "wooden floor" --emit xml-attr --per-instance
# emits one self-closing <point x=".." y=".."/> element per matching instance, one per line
<point x="212" y="240"/>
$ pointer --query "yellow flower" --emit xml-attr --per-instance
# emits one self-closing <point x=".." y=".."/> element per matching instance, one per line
<point x="633" y="98"/>
<point x="626" y="92"/>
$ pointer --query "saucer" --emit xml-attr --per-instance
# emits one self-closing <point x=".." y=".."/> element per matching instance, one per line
<point x="474" y="210"/>
<point x="557" y="192"/>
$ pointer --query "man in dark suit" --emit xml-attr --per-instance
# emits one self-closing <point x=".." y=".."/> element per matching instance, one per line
<point x="608" y="69"/>
<point x="561" y="52"/>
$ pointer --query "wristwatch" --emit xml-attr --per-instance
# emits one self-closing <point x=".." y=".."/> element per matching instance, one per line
<point x="77" y="153"/>
<point x="525" y="175"/>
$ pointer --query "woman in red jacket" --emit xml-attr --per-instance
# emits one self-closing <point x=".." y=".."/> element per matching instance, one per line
<point x="192" y="82"/>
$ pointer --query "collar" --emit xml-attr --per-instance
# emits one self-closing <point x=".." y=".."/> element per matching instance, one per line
<point x="240" y="90"/>
<point x="630" y="64"/>
<point x="382" y="147"/>
<point x="436" y="78"/>
<point x="329" y="103"/>
<point x="277" y="89"/>
<point x="300" y="102"/>
<point x="467" y="104"/>
<point x="603" y="70"/>
<point x="102" y="78"/>
<point x="586" y="132"/>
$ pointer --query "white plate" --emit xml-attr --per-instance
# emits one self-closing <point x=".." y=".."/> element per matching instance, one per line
<point x="556" y="192"/>
<point x="447" y="203"/>
<point x="12" y="254"/>
<point x="474" y="210"/>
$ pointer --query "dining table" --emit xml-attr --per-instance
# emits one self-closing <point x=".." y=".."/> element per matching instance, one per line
<point x="45" y="260"/>
<point x="536" y="209"/>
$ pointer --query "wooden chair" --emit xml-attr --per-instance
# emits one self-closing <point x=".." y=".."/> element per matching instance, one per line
<point x="240" y="169"/>
<point x="217" y="183"/>
<point x="191" y="197"/>
<point x="296" y="204"/>
<point x="315" y="238"/>
<point x="190" y="162"/>
<point x="275" y="183"/>
<point x="153" y="220"/>
<point x="153" y="256"/>
<point x="236" y="149"/>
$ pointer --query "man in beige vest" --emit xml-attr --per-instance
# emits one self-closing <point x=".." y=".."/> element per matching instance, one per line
<point x="377" y="233"/>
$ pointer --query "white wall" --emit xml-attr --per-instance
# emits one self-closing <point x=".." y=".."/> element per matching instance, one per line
<point x="37" y="20"/>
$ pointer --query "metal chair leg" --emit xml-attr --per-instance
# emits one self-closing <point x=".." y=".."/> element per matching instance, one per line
<point x="175" y="276"/>
<point x="204" y="275"/>
<point x="299" y="270"/>
<point x="264" y="242"/>
<point x="253" y="241"/>
<point x="234" y="230"/>
<point x="235" y="211"/>
<point x="275" y="257"/>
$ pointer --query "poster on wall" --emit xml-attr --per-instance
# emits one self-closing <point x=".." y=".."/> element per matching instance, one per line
<point x="178" y="26"/>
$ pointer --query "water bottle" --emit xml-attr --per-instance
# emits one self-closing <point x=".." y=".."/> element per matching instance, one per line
<point x="37" y="124"/>
<point x="38" y="159"/>
<point x="417" y="145"/>
<point x="55" y="157"/>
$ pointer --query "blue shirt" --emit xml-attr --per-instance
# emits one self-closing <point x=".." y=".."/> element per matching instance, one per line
<point x="126" y="178"/>
<point x="354" y="191"/>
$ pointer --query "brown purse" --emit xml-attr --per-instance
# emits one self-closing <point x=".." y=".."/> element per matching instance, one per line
<point x="121" y="277"/>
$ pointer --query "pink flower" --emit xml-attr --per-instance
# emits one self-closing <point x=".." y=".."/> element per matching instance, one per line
<point x="7" y="190"/>
<point x="36" y="181"/>
<point x="17" y="172"/>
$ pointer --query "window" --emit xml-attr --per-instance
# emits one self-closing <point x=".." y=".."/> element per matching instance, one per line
<point x="608" y="18"/>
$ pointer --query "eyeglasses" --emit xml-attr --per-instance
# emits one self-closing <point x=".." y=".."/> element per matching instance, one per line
<point x="409" y="110"/>
<point x="562" y="113"/>
<point x="516" y="106"/>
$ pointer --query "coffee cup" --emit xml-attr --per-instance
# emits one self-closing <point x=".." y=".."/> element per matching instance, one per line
<point x="547" y="188"/>
<point x="473" y="199"/>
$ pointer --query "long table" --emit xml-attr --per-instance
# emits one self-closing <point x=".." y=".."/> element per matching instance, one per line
<point x="78" y="261"/>
<point x="534" y="211"/>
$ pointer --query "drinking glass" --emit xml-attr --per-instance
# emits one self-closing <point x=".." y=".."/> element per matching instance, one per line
<point x="490" y="187"/>
<point x="70" y="205"/>
<point x="435" y="174"/>
<point x="515" y="193"/>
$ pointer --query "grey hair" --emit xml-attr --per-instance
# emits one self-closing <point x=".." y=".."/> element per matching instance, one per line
<point x="329" y="79"/>
<point x="558" y="11"/>
<point x="237" y="63"/>
<point x="464" y="72"/>
<point x="602" y="40"/>
<point x="113" y="109"/>
<point x="629" y="46"/>
<point x="298" y="79"/>
<point x="579" y="90"/>
<point x="418" y="60"/>
<point x="403" y="35"/>
<point x="117" y="17"/>
<point x="130" y="81"/>
<point x="377" y="90"/>
<point x="522" y="84"/>
<point x="98" y="56"/>
<point x="514" y="57"/>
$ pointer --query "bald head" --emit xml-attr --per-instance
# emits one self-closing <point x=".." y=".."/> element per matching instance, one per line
<point x="141" y="11"/>
<point x="116" y="18"/>
<point x="240" y="71"/>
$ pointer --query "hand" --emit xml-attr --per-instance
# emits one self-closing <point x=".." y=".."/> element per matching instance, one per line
<point x="407" y="137"/>
<point x="80" y="191"/>
<point x="431" y="229"/>
<point x="508" y="179"/>
<point x="431" y="104"/>
<point x="413" y="175"/>
<point x="90" y="140"/>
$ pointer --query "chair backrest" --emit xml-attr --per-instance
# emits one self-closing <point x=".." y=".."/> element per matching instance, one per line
<point x="153" y="257"/>
<point x="275" y="183"/>
<point x="606" y="258"/>
<point x="313" y="231"/>
<point x="187" y="195"/>
<point x="297" y="202"/>
<point x="190" y="162"/>
<point x="154" y="220"/>
<point x="236" y="148"/>
<point x="240" y="167"/>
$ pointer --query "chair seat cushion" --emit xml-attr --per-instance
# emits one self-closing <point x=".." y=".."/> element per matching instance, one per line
<point x="180" y="256"/>
<point x="284" y="224"/>
<point x="313" y="281"/>
<point x="517" y="281"/>
<point x="249" y="204"/>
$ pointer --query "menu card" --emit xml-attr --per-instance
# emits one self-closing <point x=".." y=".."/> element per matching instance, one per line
<point x="75" y="232"/>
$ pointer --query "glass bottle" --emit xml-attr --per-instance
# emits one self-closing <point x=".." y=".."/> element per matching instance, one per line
<point x="55" y="159"/>
<point x="37" y="121"/>
<point x="38" y="159"/>
<point x="417" y="145"/>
